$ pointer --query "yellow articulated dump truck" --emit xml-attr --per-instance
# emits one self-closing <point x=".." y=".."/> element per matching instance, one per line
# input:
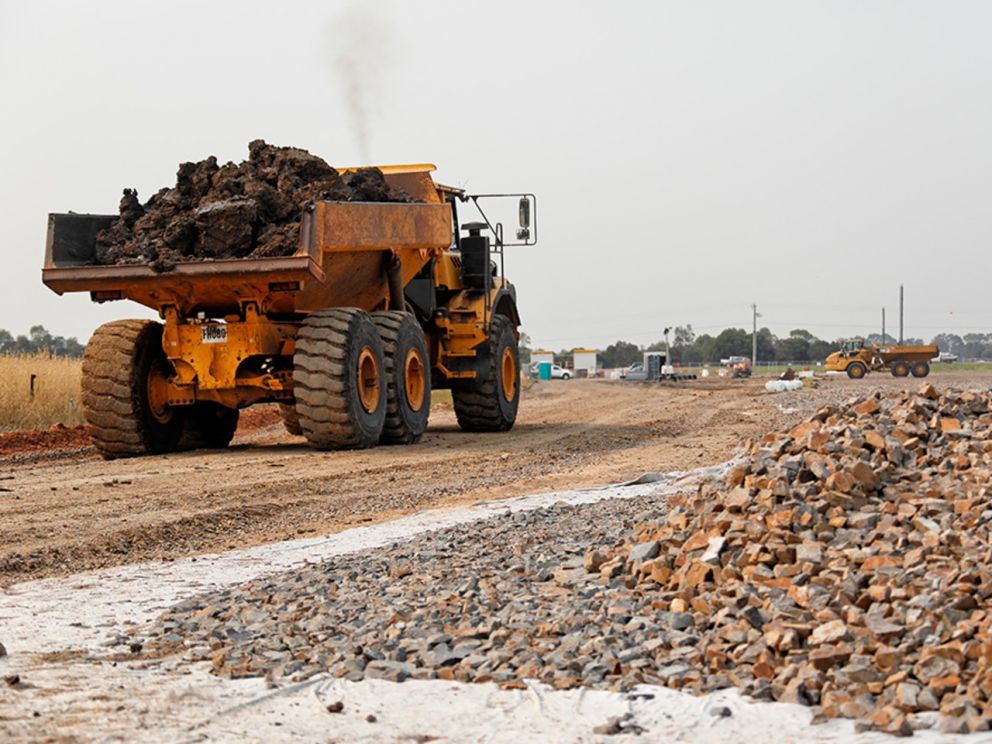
<point x="379" y="304"/>
<point x="857" y="357"/>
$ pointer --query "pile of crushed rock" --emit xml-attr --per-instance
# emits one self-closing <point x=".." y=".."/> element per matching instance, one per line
<point x="844" y="565"/>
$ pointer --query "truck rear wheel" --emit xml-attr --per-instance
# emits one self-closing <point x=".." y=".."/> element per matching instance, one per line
<point x="921" y="369"/>
<point x="124" y="395"/>
<point x="290" y="418"/>
<point x="900" y="369"/>
<point x="408" y="377"/>
<point x="209" y="425"/>
<point x="339" y="379"/>
<point x="856" y="370"/>
<point x="490" y="401"/>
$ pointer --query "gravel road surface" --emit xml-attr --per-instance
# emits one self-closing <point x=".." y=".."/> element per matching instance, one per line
<point x="76" y="512"/>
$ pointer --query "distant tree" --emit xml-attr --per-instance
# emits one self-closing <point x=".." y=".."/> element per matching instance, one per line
<point x="950" y="342"/>
<point x="23" y="345"/>
<point x="524" y="344"/>
<point x="731" y="342"/>
<point x="766" y="346"/>
<point x="620" y="354"/>
<point x="977" y="346"/>
<point x="684" y="336"/>
<point x="40" y="338"/>
<point x="39" y="341"/>
<point x="73" y="348"/>
<point x="820" y="350"/>
<point x="793" y="349"/>
<point x="701" y="352"/>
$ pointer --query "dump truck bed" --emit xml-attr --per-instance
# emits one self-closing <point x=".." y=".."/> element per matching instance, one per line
<point x="890" y="354"/>
<point x="338" y="262"/>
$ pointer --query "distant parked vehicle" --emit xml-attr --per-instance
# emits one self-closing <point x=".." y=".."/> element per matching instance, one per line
<point x="654" y="368"/>
<point x="732" y="360"/>
<point x="635" y="371"/>
<point x="946" y="356"/>
<point x="739" y="366"/>
<point x="557" y="371"/>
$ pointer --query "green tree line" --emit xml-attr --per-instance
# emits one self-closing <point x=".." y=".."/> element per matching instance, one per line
<point x="39" y="341"/>
<point x="969" y="346"/>
<point x="689" y="349"/>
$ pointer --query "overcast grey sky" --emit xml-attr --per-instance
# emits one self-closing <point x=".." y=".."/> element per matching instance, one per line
<point x="689" y="158"/>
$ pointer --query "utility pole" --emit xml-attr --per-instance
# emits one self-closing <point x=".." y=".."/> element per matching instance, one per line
<point x="901" y="297"/>
<point x="883" y="325"/>
<point x="754" y="334"/>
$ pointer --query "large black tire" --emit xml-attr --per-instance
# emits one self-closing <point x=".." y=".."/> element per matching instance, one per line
<point x="921" y="369"/>
<point x="900" y="369"/>
<point x="856" y="370"/>
<point x="119" y="359"/>
<point x="408" y="377"/>
<point x="209" y="425"/>
<point x="339" y="379"/>
<point x="490" y="401"/>
<point x="290" y="418"/>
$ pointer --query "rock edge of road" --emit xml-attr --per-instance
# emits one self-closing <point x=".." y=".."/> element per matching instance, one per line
<point x="70" y="694"/>
<point x="830" y="570"/>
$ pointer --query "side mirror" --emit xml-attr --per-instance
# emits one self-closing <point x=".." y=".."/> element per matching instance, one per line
<point x="524" y="211"/>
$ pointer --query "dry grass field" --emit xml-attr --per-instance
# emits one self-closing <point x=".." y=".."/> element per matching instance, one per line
<point x="55" y="397"/>
<point x="56" y="392"/>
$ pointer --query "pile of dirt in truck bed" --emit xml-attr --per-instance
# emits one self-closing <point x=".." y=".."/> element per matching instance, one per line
<point x="249" y="210"/>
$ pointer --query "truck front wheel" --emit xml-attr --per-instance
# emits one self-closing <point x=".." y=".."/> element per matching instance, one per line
<point x="856" y="370"/>
<point x="490" y="401"/>
<point x="339" y="379"/>
<point x="921" y="369"/>
<point x="290" y="418"/>
<point x="408" y="376"/>
<point x="124" y="391"/>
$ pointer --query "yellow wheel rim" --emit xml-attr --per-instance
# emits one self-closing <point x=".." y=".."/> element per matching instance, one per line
<point x="508" y="369"/>
<point x="414" y="379"/>
<point x="158" y="395"/>
<point x="368" y="380"/>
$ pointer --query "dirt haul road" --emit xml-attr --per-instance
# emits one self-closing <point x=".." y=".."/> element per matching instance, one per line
<point x="65" y="514"/>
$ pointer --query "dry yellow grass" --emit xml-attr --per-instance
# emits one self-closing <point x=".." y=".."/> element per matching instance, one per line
<point x="441" y="398"/>
<point x="56" y="391"/>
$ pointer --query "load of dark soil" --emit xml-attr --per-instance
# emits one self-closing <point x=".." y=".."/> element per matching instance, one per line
<point x="249" y="210"/>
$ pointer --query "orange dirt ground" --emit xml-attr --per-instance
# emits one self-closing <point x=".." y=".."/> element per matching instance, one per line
<point x="62" y="509"/>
